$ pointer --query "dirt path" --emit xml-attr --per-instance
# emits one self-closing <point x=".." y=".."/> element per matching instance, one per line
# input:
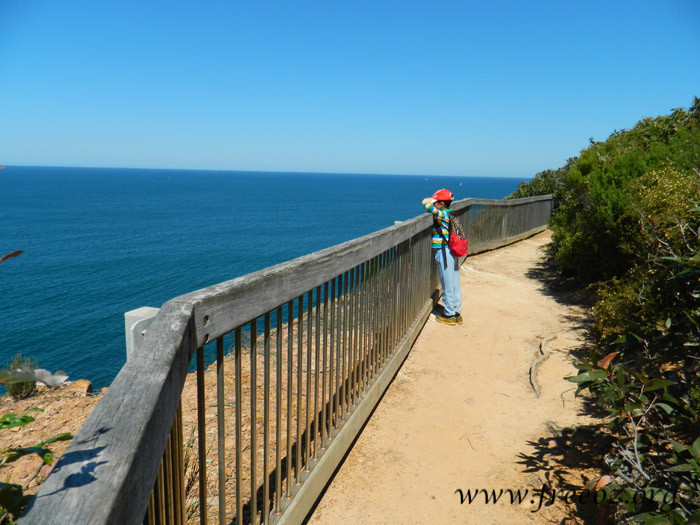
<point x="461" y="413"/>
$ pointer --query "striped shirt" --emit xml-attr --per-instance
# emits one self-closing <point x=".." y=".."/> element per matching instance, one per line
<point x="443" y="219"/>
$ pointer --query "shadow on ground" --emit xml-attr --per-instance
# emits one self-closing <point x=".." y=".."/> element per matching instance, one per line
<point x="569" y="461"/>
<point x="568" y="465"/>
<point x="564" y="290"/>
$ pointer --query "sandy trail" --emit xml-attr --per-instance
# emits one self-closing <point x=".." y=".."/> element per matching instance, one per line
<point x="461" y="413"/>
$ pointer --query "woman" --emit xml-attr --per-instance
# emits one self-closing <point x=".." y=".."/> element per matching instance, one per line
<point x="448" y="265"/>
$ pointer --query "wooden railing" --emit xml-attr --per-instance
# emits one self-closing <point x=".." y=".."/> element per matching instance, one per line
<point x="302" y="353"/>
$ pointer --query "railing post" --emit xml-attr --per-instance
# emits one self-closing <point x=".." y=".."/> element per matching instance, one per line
<point x="136" y="322"/>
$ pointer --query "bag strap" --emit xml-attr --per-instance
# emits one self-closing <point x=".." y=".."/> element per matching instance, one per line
<point x="457" y="228"/>
<point x="439" y="229"/>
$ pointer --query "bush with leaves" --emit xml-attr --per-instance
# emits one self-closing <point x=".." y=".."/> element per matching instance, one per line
<point x="544" y="183"/>
<point x="664" y="212"/>
<point x="21" y="389"/>
<point x="651" y="383"/>
<point x="595" y="207"/>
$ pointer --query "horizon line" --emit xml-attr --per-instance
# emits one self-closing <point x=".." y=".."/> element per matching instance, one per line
<point x="265" y="171"/>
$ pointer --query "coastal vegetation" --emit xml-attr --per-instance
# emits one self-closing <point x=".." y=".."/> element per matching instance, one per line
<point x="627" y="225"/>
<point x="21" y="389"/>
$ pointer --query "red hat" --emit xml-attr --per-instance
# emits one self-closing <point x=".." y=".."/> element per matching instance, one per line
<point x="443" y="195"/>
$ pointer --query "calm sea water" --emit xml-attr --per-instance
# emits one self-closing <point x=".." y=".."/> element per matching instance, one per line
<point x="100" y="242"/>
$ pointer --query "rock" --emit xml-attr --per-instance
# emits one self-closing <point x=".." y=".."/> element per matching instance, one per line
<point x="81" y="386"/>
<point x="46" y="470"/>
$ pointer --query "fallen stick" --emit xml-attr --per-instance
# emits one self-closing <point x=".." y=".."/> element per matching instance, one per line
<point x="544" y="355"/>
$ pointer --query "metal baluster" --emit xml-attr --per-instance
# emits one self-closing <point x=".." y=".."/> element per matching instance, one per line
<point x="150" y="518"/>
<point x="201" y="438"/>
<point x="239" y="419"/>
<point x="358" y="335"/>
<point x="398" y="280"/>
<point x="253" y="421"/>
<point x="316" y="375"/>
<point x="376" y="309"/>
<point x="168" y="478"/>
<point x="398" y="263"/>
<point x="406" y="288"/>
<point x="344" y="333"/>
<point x="381" y="317"/>
<point x="389" y="301"/>
<point x="363" y="328"/>
<point x="409" y="294"/>
<point x="332" y="370"/>
<point x="368" y="323"/>
<point x="309" y="340"/>
<point x="371" y="311"/>
<point x="290" y="368"/>
<point x="266" y="422"/>
<point x="180" y="465"/>
<point x="392" y="301"/>
<point x="349" y="333"/>
<point x="160" y="496"/>
<point x="221" y="438"/>
<point x="338" y="361"/>
<point x="400" y="289"/>
<point x="278" y="421"/>
<point x="324" y="376"/>
<point x="300" y="348"/>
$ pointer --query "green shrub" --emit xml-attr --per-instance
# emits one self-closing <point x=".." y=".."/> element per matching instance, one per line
<point x="595" y="211"/>
<point x="652" y="391"/>
<point x="544" y="183"/>
<point x="23" y="389"/>
<point x="645" y="296"/>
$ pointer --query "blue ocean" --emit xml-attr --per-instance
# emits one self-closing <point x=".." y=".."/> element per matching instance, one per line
<point x="100" y="242"/>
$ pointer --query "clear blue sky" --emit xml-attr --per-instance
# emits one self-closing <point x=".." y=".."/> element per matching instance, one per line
<point x="413" y="87"/>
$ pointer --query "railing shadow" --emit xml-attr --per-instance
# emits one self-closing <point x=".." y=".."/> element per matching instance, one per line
<point x="86" y="475"/>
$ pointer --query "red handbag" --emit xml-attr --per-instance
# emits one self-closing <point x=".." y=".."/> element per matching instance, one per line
<point x="458" y="246"/>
